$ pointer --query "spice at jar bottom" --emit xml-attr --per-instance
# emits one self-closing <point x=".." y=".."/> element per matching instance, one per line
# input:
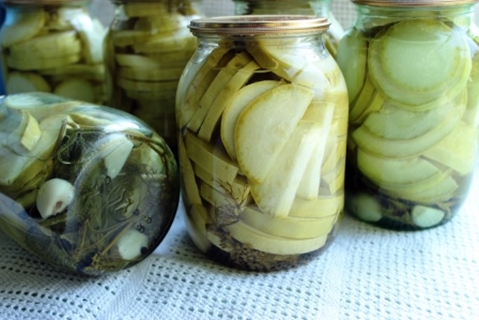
<point x="262" y="113"/>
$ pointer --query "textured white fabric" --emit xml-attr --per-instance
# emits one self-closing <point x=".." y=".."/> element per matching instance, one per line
<point x="367" y="273"/>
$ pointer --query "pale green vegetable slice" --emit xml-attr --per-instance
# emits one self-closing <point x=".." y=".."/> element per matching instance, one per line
<point x="418" y="62"/>
<point x="21" y="25"/>
<point x="258" y="240"/>
<point x="458" y="150"/>
<point x="379" y="146"/>
<point x="276" y="193"/>
<point x="396" y="171"/>
<point x="352" y="59"/>
<point x="401" y="124"/>
<point x="216" y="86"/>
<point x="47" y="46"/>
<point x="18" y="170"/>
<point x="309" y="185"/>
<point x="35" y="63"/>
<point x="76" y="89"/>
<point x="216" y="109"/>
<point x="26" y="136"/>
<point x="265" y="126"/>
<point x="20" y="82"/>
<point x="288" y="227"/>
<point x="238" y="102"/>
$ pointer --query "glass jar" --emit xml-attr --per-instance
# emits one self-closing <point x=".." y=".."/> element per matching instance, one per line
<point x="53" y="46"/>
<point x="262" y="112"/>
<point x="320" y="8"/>
<point x="412" y="70"/>
<point x="146" y="49"/>
<point x="85" y="188"/>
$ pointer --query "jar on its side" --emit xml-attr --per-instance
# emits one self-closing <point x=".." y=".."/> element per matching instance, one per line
<point x="320" y="8"/>
<point x="262" y="111"/>
<point x="86" y="188"/>
<point x="146" y="49"/>
<point x="53" y="46"/>
<point x="412" y="70"/>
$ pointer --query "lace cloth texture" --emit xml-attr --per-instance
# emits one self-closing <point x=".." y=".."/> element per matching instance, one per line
<point x="367" y="273"/>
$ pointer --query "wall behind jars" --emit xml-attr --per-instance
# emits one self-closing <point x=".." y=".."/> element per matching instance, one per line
<point x="343" y="10"/>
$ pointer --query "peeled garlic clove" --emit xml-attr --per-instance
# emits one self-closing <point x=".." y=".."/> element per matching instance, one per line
<point x="131" y="243"/>
<point x="426" y="217"/>
<point x="54" y="196"/>
<point x="116" y="154"/>
<point x="366" y="208"/>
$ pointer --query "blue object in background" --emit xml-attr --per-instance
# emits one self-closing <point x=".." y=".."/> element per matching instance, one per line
<point x="2" y="84"/>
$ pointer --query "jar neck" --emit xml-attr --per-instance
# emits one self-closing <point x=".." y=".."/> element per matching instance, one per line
<point x="460" y="15"/>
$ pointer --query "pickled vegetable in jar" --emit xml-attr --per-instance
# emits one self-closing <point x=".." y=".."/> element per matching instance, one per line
<point x="147" y="47"/>
<point x="320" y="8"/>
<point x="412" y="71"/>
<point x="53" y="46"/>
<point x="85" y="188"/>
<point x="262" y="112"/>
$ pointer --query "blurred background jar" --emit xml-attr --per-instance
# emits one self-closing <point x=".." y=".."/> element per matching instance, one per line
<point x="320" y="8"/>
<point x="53" y="46"/>
<point x="412" y="70"/>
<point x="262" y="111"/>
<point x="146" y="49"/>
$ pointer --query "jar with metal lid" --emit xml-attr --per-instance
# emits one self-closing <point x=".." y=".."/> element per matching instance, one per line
<point x="86" y="188"/>
<point x="146" y="49"/>
<point x="53" y="46"/>
<point x="262" y="112"/>
<point x="320" y="8"/>
<point x="412" y="70"/>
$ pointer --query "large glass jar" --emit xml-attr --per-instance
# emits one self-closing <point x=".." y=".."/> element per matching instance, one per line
<point x="53" y="46"/>
<point x="262" y="112"/>
<point x="86" y="188"/>
<point x="412" y="70"/>
<point x="146" y="50"/>
<point x="320" y="8"/>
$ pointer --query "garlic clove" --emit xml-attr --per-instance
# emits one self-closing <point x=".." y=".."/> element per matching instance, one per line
<point x="366" y="208"/>
<point x="54" y="196"/>
<point x="426" y="217"/>
<point x="131" y="243"/>
<point x="116" y="154"/>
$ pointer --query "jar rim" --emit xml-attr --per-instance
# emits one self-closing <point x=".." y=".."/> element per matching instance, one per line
<point x="259" y="25"/>
<point x="413" y="3"/>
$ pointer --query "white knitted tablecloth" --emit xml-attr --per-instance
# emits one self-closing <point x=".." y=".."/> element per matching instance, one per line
<point x="367" y="273"/>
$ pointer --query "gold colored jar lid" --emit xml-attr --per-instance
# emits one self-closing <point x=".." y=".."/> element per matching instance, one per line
<point x="259" y="25"/>
<point x="414" y="3"/>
